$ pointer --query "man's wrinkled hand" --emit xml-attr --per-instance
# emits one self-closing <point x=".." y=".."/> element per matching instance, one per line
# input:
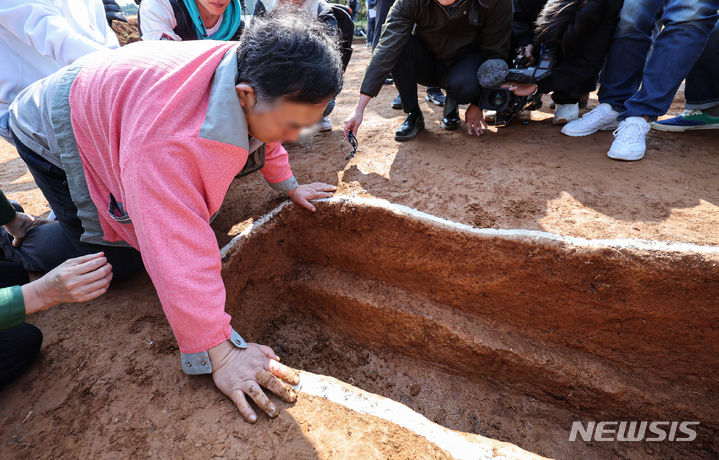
<point x="75" y="280"/>
<point x="303" y="194"/>
<point x="239" y="373"/>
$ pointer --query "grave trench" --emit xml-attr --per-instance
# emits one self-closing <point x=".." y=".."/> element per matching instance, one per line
<point x="508" y="334"/>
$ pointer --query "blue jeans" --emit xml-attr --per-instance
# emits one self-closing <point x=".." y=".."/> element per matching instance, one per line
<point x="687" y="24"/>
<point x="702" y="84"/>
<point x="49" y="245"/>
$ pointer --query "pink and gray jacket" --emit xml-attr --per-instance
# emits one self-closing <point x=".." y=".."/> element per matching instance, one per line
<point x="151" y="136"/>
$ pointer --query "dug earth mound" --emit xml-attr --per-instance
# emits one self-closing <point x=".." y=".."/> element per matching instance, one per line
<point x="509" y="334"/>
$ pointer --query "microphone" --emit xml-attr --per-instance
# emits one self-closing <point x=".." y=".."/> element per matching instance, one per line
<point x="492" y="73"/>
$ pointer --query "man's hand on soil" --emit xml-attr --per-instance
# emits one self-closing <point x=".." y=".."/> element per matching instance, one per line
<point x="474" y="118"/>
<point x="238" y="372"/>
<point x="306" y="192"/>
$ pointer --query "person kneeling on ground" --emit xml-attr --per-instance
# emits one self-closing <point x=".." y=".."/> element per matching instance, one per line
<point x="436" y="43"/>
<point x="143" y="169"/>
<point x="76" y="280"/>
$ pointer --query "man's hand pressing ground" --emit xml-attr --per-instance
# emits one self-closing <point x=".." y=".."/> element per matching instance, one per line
<point x="303" y="194"/>
<point x="239" y="373"/>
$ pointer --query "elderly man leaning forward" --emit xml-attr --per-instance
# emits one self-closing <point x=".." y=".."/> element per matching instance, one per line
<point x="135" y="150"/>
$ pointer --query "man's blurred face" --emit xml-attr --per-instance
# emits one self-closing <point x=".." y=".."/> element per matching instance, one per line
<point x="278" y="122"/>
<point x="446" y="2"/>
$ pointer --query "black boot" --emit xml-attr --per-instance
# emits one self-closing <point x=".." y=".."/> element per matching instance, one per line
<point x="451" y="121"/>
<point x="413" y="124"/>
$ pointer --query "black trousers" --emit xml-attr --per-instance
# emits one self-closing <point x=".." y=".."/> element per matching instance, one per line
<point x="20" y="345"/>
<point x="49" y="245"/>
<point x="417" y="65"/>
<point x="383" y="7"/>
<point x="370" y="30"/>
<point x="576" y="74"/>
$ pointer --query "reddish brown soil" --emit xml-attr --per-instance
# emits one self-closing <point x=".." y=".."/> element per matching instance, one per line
<point x="521" y="337"/>
<point x="108" y="382"/>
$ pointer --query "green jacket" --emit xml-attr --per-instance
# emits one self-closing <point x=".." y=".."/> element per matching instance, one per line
<point x="474" y="26"/>
<point x="12" y="305"/>
<point x="7" y="212"/>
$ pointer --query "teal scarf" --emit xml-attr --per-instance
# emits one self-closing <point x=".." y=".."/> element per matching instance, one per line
<point x="230" y="21"/>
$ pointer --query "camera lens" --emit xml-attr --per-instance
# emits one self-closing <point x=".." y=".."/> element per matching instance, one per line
<point x="497" y="99"/>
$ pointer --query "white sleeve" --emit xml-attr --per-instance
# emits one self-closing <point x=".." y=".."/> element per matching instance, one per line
<point x="157" y="20"/>
<point x="43" y="26"/>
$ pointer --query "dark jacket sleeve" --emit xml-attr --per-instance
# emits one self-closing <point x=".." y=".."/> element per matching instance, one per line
<point x="7" y="212"/>
<point x="522" y="24"/>
<point x="497" y="33"/>
<point x="113" y="12"/>
<point x="395" y="34"/>
<point x="589" y="15"/>
<point x="326" y="16"/>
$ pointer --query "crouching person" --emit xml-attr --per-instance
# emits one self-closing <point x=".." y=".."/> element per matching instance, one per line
<point x="436" y="43"/>
<point x="135" y="150"/>
<point x="578" y="34"/>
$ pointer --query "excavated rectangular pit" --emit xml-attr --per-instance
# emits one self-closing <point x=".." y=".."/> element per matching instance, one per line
<point x="509" y="334"/>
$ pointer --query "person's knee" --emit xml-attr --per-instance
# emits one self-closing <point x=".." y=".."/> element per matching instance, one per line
<point x="33" y="340"/>
<point x="690" y="11"/>
<point x="637" y="18"/>
<point x="23" y="342"/>
<point x="462" y="86"/>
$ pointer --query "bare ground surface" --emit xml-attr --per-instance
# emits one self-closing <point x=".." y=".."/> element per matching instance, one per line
<point x="108" y="381"/>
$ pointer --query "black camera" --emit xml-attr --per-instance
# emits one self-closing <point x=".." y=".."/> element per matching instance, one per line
<point x="503" y="100"/>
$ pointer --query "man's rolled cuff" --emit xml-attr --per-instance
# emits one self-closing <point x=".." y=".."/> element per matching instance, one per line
<point x="199" y="363"/>
<point x="285" y="185"/>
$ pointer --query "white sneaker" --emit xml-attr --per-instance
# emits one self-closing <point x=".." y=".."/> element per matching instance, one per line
<point x="602" y="117"/>
<point x="324" y="125"/>
<point x="564" y="113"/>
<point x="630" y="140"/>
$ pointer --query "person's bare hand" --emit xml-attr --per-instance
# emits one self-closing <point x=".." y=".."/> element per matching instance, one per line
<point x="528" y="54"/>
<point x="21" y="225"/>
<point x="353" y="122"/>
<point x="306" y="192"/>
<point x="520" y="89"/>
<point x="239" y="373"/>
<point x="75" y="280"/>
<point x="475" y="121"/>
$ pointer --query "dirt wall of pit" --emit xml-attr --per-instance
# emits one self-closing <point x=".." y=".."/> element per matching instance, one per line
<point x="626" y="333"/>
